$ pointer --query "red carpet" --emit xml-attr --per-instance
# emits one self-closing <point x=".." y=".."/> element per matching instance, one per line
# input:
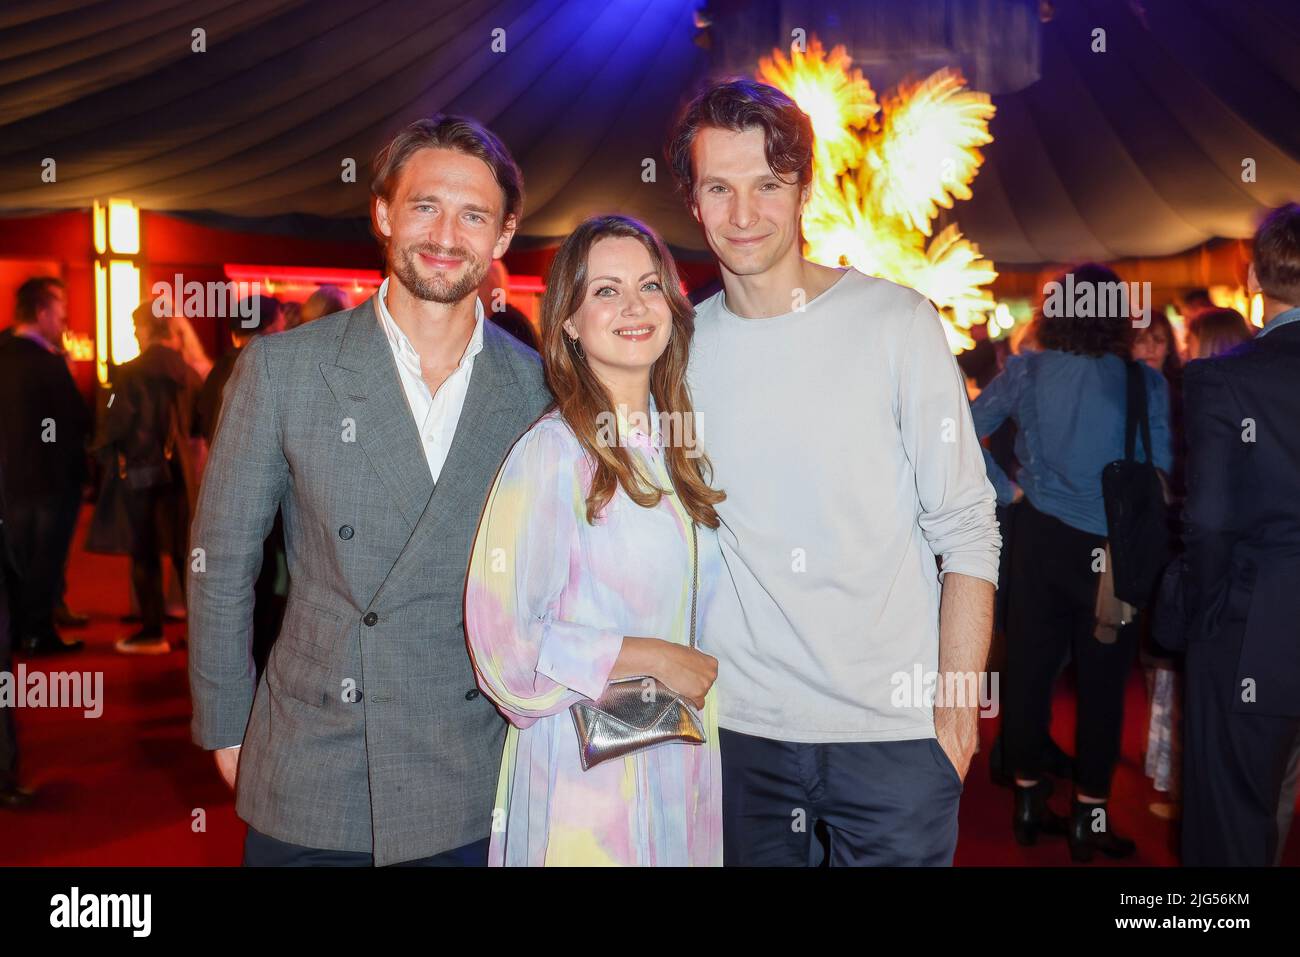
<point x="128" y="788"/>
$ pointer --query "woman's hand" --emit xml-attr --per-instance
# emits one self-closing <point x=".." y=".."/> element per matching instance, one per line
<point x="687" y="671"/>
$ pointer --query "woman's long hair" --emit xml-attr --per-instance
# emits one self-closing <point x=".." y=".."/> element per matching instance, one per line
<point x="581" y="398"/>
<point x="191" y="348"/>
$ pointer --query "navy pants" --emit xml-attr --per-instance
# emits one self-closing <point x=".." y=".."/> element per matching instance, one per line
<point x="262" y="850"/>
<point x="882" y="803"/>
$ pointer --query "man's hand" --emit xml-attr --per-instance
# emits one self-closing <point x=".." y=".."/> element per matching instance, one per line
<point x="228" y="765"/>
<point x="958" y="732"/>
<point x="965" y="629"/>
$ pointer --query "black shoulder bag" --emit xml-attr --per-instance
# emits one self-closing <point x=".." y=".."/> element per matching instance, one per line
<point x="1136" y="520"/>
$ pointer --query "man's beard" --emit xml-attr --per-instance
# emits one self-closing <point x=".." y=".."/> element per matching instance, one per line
<point x="436" y="288"/>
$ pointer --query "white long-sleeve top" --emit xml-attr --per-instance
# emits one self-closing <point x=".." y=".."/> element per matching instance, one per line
<point x="842" y="437"/>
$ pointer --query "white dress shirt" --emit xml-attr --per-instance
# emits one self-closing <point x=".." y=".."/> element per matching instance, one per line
<point x="435" y="416"/>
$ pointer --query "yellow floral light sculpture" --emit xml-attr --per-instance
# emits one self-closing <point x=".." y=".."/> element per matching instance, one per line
<point x="882" y="170"/>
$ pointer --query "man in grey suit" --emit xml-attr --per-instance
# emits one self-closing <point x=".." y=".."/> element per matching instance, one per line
<point x="377" y="433"/>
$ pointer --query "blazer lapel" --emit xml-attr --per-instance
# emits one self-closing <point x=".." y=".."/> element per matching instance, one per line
<point x="366" y="386"/>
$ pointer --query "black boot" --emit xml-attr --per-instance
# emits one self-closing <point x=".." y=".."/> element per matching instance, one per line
<point x="1091" y="831"/>
<point x="51" y="643"/>
<point x="1033" y="816"/>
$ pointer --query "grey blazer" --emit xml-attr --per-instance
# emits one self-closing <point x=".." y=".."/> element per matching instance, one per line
<point x="366" y="731"/>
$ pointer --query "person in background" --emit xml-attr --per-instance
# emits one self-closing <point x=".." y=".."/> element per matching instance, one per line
<point x="1217" y="331"/>
<point x="196" y="357"/>
<point x="325" y="301"/>
<point x="492" y="293"/>
<point x="190" y="348"/>
<point x="1242" y="562"/>
<point x="1000" y="446"/>
<point x="1068" y="401"/>
<point x="1157" y="347"/>
<point x="266" y="317"/>
<point x="12" y="794"/>
<point x="44" y="425"/>
<point x="64" y="616"/>
<point x="1194" y="302"/>
<point x="145" y="434"/>
<point x="290" y="315"/>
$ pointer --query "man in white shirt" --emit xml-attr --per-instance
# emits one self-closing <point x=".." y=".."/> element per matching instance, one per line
<point x="837" y="423"/>
<point x="377" y="433"/>
<point x="436" y="408"/>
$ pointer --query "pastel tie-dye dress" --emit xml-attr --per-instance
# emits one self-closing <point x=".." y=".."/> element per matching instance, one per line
<point x="548" y="601"/>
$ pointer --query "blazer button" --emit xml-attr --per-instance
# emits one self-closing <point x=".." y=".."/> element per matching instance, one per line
<point x="370" y="619"/>
<point x="471" y="694"/>
<point x="345" y="532"/>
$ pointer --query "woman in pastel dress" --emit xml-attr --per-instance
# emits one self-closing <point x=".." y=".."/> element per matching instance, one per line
<point x="582" y="568"/>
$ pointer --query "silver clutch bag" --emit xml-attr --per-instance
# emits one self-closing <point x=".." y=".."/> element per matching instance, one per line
<point x="636" y="714"/>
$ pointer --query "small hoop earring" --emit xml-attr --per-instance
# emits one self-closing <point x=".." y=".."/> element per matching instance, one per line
<point x="577" y="347"/>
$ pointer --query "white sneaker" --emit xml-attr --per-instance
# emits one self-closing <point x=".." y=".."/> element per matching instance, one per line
<point x="143" y="645"/>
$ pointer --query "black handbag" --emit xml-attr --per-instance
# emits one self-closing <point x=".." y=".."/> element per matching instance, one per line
<point x="157" y="469"/>
<point x="1136" y="515"/>
<point x="110" y="522"/>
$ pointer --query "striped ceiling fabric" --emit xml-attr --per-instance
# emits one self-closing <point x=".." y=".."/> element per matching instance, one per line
<point x="1137" y="151"/>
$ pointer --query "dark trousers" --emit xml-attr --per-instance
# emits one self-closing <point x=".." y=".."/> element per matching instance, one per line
<point x="1053" y="607"/>
<point x="8" y="733"/>
<point x="40" y="534"/>
<point x="159" y="520"/>
<point x="262" y="850"/>
<point x="1233" y="763"/>
<point x="882" y="803"/>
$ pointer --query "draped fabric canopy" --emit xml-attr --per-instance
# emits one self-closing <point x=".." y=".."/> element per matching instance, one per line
<point x="1137" y="151"/>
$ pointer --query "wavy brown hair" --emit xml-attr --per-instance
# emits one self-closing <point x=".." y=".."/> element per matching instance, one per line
<point x="1096" y="335"/>
<point x="581" y="398"/>
<point x="737" y="105"/>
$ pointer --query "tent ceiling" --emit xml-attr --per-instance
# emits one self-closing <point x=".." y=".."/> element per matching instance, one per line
<point x="1137" y="151"/>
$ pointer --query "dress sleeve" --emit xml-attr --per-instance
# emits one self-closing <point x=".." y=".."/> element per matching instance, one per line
<point x="529" y="659"/>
